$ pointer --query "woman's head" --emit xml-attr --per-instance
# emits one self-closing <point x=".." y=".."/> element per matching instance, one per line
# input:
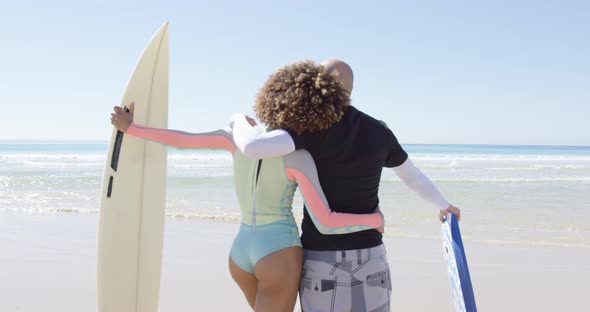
<point x="302" y="97"/>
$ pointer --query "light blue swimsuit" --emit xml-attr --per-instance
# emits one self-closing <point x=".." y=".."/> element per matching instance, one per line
<point x="265" y="195"/>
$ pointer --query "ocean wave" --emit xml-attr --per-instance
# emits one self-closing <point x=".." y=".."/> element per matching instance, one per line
<point x="495" y="157"/>
<point x="54" y="157"/>
<point x="39" y="164"/>
<point x="219" y="217"/>
<point x="102" y="157"/>
<point x="508" y="179"/>
<point x="494" y="166"/>
<point x="214" y="159"/>
<point x="192" y="157"/>
<point x="98" y="166"/>
<point x="55" y="182"/>
<point x="199" y="166"/>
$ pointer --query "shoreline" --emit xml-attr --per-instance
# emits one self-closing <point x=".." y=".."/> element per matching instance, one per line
<point x="391" y="232"/>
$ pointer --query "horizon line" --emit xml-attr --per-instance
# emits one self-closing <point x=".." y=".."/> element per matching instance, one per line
<point x="471" y="144"/>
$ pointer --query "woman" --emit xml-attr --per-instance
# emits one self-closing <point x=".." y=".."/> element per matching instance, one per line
<point x="266" y="256"/>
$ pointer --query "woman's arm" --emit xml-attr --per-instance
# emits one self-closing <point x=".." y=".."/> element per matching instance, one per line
<point x="123" y="121"/>
<point x="258" y="145"/>
<point x="215" y="139"/>
<point x="300" y="166"/>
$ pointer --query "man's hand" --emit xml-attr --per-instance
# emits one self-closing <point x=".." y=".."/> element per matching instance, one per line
<point x="122" y="119"/>
<point x="452" y="209"/>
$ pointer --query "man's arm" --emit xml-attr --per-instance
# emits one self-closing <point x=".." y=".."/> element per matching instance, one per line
<point x="258" y="145"/>
<point x="414" y="178"/>
<point x="419" y="183"/>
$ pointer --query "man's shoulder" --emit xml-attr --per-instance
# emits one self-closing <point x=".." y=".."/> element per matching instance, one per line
<point x="367" y="119"/>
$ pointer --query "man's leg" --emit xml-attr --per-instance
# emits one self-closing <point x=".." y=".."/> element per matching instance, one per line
<point x="372" y="269"/>
<point x="325" y="282"/>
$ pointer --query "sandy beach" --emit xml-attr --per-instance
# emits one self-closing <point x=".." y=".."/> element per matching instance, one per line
<point x="48" y="263"/>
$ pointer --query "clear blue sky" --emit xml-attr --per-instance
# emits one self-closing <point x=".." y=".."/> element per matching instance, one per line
<point x="487" y="72"/>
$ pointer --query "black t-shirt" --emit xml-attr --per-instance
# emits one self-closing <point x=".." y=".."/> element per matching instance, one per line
<point x="349" y="157"/>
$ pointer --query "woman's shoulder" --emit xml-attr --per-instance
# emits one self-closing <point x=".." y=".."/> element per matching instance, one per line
<point x="298" y="159"/>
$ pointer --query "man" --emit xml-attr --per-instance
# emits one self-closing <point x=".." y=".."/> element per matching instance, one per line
<point x="346" y="272"/>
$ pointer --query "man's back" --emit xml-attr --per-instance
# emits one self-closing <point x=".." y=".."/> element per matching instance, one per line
<point x="349" y="157"/>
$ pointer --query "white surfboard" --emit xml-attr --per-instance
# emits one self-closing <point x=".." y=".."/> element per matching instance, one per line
<point x="131" y="225"/>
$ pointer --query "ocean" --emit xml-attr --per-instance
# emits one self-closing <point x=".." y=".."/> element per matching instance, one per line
<point x="525" y="195"/>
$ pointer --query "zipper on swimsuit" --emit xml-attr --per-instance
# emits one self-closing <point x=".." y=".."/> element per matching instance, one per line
<point x="258" y="166"/>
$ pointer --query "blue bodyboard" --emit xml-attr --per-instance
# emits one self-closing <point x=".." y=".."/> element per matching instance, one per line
<point x="457" y="268"/>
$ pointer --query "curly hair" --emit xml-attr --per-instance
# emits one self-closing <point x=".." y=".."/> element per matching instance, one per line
<point x="302" y="97"/>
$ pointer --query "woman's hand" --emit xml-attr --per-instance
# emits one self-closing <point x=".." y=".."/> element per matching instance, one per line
<point x="122" y="119"/>
<point x="251" y="121"/>
<point x="235" y="117"/>
<point x="452" y="209"/>
<point x="381" y="229"/>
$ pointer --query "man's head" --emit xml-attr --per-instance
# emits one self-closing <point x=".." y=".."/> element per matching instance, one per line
<point x="342" y="70"/>
<point x="302" y="97"/>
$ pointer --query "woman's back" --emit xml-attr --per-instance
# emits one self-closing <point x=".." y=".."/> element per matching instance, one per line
<point x="265" y="194"/>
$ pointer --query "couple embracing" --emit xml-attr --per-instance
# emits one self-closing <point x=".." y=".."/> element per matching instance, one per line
<point x="315" y="140"/>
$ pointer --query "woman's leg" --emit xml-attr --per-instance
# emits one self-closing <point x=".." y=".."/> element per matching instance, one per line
<point x="278" y="277"/>
<point x="246" y="280"/>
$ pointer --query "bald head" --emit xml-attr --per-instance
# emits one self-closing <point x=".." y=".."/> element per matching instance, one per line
<point x="341" y="70"/>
